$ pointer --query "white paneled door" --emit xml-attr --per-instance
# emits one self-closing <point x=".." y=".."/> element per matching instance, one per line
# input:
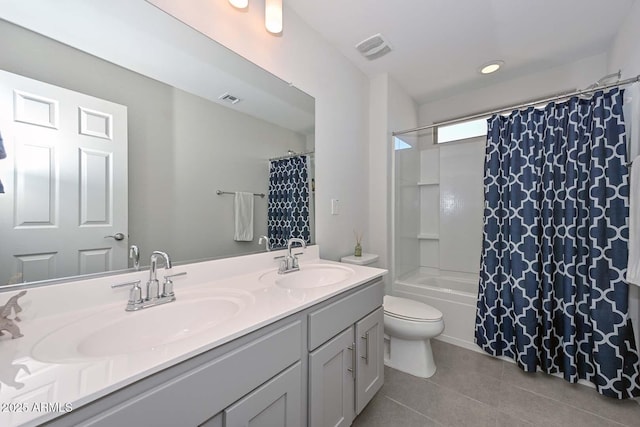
<point x="65" y="181"/>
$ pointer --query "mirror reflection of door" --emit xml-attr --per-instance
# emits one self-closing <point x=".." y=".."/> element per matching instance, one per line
<point x="65" y="182"/>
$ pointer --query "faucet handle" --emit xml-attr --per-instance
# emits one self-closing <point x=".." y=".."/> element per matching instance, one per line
<point x="122" y="285"/>
<point x="135" y="294"/>
<point x="171" y="276"/>
<point x="284" y="264"/>
<point x="167" y="286"/>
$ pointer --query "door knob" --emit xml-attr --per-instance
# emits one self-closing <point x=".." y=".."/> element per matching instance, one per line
<point x="117" y="236"/>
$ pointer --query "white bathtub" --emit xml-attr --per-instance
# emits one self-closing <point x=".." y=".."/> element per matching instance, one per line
<point x="454" y="295"/>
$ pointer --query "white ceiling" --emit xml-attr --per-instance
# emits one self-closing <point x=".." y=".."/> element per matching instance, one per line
<point x="438" y="45"/>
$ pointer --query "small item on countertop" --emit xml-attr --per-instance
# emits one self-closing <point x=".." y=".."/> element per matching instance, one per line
<point x="358" y="249"/>
<point x="7" y="324"/>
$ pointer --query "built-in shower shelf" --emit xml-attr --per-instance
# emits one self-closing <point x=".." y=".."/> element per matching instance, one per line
<point x="421" y="183"/>
<point x="428" y="236"/>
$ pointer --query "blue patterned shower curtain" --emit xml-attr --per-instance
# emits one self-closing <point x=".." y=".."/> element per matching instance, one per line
<point x="552" y="295"/>
<point x="288" y="201"/>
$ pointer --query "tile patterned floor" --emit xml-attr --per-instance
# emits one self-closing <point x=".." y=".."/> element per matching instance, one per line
<point x="472" y="389"/>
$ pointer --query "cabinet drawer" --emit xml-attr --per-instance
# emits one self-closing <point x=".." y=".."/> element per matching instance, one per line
<point x="335" y="317"/>
<point x="192" y="397"/>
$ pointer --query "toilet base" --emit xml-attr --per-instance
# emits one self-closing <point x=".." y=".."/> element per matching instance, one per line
<point x="413" y="357"/>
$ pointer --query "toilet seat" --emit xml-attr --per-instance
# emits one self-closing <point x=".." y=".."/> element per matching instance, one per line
<point x="406" y="309"/>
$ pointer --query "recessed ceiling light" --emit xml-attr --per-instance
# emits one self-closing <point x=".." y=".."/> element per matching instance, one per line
<point x="491" y="67"/>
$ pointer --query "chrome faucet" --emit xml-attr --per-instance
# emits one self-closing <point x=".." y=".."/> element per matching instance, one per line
<point x="134" y="255"/>
<point x="153" y="295"/>
<point x="265" y="240"/>
<point x="153" y="286"/>
<point x="290" y="262"/>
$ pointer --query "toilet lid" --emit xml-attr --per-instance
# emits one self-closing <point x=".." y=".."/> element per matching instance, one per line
<point x="405" y="308"/>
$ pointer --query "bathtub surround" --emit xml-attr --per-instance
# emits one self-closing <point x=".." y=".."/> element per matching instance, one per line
<point x="552" y="293"/>
<point x="439" y="228"/>
<point x="454" y="295"/>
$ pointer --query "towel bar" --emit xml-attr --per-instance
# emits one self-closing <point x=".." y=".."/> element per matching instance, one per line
<point x="220" y="192"/>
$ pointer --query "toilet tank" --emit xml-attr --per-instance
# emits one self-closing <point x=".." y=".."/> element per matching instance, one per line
<point x="370" y="260"/>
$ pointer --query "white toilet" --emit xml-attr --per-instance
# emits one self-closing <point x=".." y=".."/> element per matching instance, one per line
<point x="408" y="328"/>
<point x="409" y="325"/>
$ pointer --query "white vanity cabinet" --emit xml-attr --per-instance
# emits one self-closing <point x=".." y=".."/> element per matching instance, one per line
<point x="324" y="359"/>
<point x="346" y="366"/>
<point x="256" y="377"/>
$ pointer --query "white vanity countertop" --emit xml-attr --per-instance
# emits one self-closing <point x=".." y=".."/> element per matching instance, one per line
<point x="37" y="369"/>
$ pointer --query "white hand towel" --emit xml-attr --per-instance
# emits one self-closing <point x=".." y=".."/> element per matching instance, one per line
<point x="633" y="267"/>
<point x="631" y="109"/>
<point x="243" y="209"/>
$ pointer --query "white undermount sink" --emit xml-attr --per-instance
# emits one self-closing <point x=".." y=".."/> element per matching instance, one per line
<point x="309" y="276"/>
<point x="113" y="331"/>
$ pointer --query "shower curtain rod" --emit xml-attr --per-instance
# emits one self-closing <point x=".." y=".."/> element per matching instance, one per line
<point x="519" y="106"/>
<point x="305" y="153"/>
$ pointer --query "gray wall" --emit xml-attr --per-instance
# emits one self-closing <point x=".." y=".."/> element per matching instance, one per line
<point x="181" y="149"/>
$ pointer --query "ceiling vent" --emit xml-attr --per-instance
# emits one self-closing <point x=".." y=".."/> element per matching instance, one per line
<point x="229" y="98"/>
<point x="374" y="47"/>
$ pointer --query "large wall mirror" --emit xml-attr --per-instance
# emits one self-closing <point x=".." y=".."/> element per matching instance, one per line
<point x="98" y="73"/>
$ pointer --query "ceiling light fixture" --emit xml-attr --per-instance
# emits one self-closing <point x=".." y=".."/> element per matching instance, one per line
<point x="273" y="16"/>
<point x="491" y="67"/>
<point x="240" y="4"/>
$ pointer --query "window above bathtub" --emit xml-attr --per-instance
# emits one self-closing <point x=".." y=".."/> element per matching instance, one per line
<point x="400" y="144"/>
<point x="460" y="130"/>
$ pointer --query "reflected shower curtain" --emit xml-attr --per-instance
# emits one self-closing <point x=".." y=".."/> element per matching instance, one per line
<point x="551" y="294"/>
<point x="288" y="214"/>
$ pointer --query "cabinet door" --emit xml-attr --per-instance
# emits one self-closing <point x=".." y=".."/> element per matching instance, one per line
<point x="331" y="382"/>
<point x="274" y="404"/>
<point x="370" y="357"/>
<point x="213" y="421"/>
